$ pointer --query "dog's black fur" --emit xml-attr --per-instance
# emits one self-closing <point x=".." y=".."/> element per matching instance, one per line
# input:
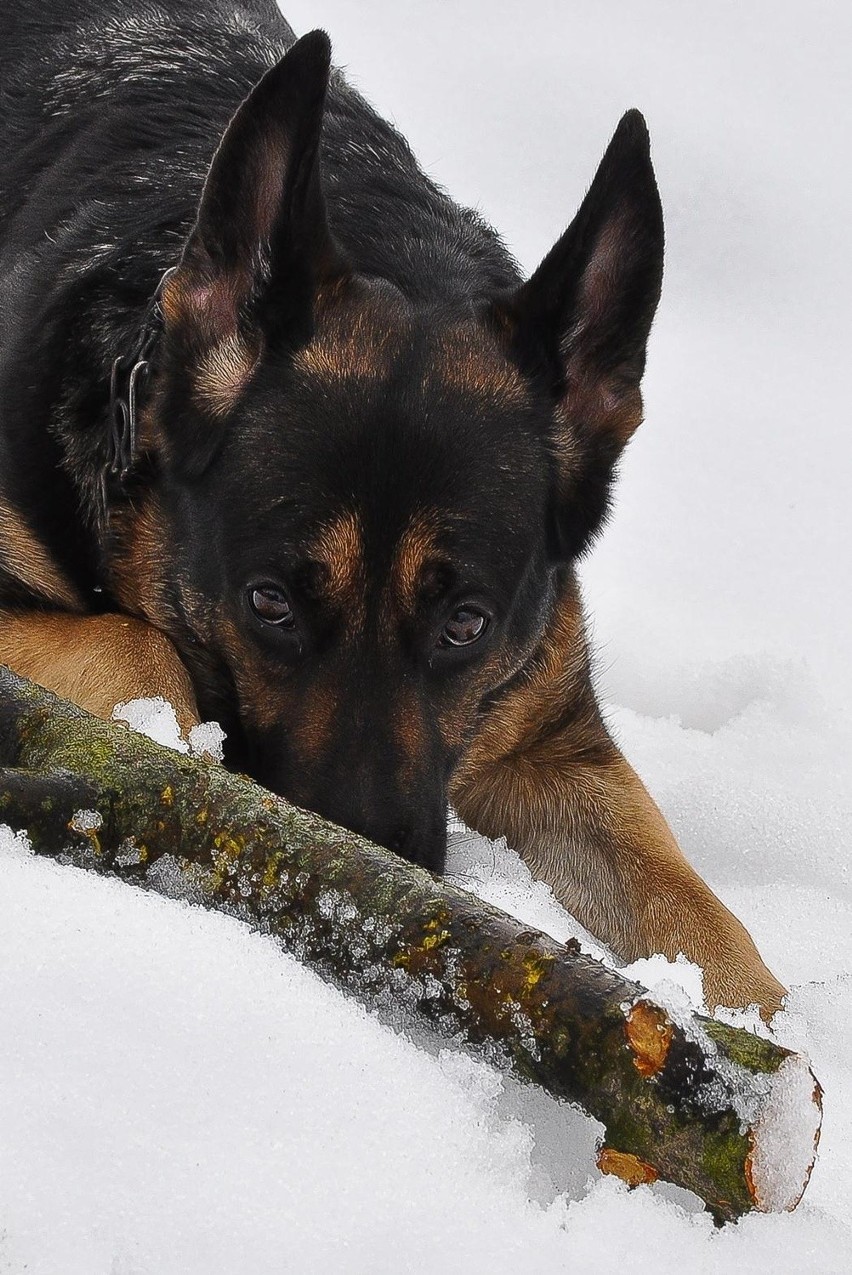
<point x="491" y="421"/>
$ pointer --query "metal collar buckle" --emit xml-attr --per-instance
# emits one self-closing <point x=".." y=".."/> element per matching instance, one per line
<point x="129" y="373"/>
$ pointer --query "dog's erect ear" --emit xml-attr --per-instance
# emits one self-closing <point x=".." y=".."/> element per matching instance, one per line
<point x="583" y="320"/>
<point x="260" y="247"/>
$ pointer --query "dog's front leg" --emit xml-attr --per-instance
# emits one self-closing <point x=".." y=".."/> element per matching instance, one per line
<point x="97" y="661"/>
<point x="543" y="772"/>
<point x="590" y="830"/>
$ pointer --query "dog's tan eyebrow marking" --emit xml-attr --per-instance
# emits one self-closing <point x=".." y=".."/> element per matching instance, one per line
<point x="339" y="546"/>
<point x="24" y="556"/>
<point x="417" y="545"/>
<point x="467" y="359"/>
<point x="222" y="374"/>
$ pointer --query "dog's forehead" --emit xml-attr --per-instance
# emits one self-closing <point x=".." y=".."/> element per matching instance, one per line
<point x="412" y="409"/>
<point x="387" y="544"/>
<point x="382" y="340"/>
<point x="395" y="437"/>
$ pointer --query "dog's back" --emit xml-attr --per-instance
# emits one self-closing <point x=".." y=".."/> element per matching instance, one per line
<point x="92" y="87"/>
<point x="112" y="111"/>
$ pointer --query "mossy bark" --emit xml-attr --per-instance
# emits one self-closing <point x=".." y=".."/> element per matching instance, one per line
<point x="679" y="1102"/>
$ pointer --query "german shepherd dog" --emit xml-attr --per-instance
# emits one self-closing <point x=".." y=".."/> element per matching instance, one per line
<point x="286" y="438"/>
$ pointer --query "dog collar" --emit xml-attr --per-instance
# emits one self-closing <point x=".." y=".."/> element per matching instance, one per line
<point x="129" y="374"/>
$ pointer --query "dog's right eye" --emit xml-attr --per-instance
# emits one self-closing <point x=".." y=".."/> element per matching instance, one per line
<point x="464" y="627"/>
<point x="271" y="605"/>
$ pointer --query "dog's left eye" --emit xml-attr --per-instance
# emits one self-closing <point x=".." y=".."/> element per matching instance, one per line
<point x="272" y="605"/>
<point x="466" y="625"/>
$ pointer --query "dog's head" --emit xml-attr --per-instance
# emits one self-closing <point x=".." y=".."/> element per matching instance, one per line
<point x="369" y="499"/>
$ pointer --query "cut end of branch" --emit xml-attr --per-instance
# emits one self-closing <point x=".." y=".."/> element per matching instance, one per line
<point x="629" y="1168"/>
<point x="649" y="1034"/>
<point x="785" y="1137"/>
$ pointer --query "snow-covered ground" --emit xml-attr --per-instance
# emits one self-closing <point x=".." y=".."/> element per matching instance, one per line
<point x="176" y="1095"/>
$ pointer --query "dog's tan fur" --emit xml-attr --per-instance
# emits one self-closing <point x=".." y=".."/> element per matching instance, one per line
<point x="24" y="557"/>
<point x="353" y="341"/>
<point x="417" y="545"/>
<point x="465" y="361"/>
<point x="339" y="549"/>
<point x="97" y="661"/>
<point x="223" y="373"/>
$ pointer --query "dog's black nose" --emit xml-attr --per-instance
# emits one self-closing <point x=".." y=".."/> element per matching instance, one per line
<point x="427" y="847"/>
<point x="424" y="845"/>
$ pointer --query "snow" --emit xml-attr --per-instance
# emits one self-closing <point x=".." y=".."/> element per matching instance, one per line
<point x="177" y="1095"/>
<point x="784" y="1134"/>
<point x="677" y="986"/>
<point x="86" y="820"/>
<point x="155" y="717"/>
<point x="206" y="739"/>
